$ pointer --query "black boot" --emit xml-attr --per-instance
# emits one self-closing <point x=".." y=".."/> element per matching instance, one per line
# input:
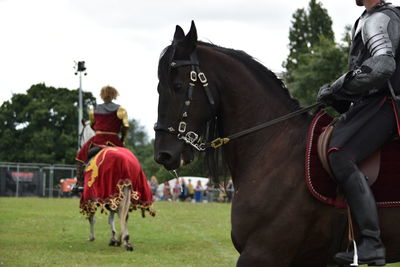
<point x="364" y="211"/>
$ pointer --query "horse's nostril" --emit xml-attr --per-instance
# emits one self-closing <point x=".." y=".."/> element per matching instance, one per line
<point x="163" y="157"/>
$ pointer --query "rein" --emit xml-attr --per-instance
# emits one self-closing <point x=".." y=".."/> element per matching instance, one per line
<point x="194" y="139"/>
<point x="223" y="140"/>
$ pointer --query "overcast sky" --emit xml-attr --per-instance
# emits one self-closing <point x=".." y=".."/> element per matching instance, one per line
<point x="121" y="40"/>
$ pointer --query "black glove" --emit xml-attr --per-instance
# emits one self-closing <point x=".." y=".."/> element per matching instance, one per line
<point x="329" y="94"/>
<point x="325" y="95"/>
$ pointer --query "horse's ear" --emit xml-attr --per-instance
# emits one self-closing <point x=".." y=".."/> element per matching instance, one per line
<point x="190" y="41"/>
<point x="179" y="34"/>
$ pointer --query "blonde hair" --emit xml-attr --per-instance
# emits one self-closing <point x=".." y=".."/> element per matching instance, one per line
<point x="108" y="93"/>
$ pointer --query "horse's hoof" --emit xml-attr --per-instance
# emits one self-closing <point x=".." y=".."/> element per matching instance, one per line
<point x="112" y="243"/>
<point x="129" y="248"/>
<point x="91" y="239"/>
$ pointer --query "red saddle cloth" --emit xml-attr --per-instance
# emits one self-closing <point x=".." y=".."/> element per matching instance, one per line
<point x="106" y="175"/>
<point x="386" y="189"/>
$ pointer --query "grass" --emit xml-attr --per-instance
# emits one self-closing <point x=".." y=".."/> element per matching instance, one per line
<point x="51" y="232"/>
<point x="48" y="232"/>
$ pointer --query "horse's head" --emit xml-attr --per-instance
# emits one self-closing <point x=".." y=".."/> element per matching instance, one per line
<point x="186" y="102"/>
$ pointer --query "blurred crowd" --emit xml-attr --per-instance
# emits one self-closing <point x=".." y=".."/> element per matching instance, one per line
<point x="181" y="189"/>
<point x="184" y="189"/>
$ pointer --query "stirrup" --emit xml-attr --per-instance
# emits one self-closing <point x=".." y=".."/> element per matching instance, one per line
<point x="355" y="256"/>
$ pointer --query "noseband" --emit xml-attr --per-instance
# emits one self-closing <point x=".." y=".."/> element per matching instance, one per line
<point x="195" y="76"/>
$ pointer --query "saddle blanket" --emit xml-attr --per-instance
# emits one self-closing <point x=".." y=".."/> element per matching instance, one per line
<point x="386" y="189"/>
<point x="106" y="175"/>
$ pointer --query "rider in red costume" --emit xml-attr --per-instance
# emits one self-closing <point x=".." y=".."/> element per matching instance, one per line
<point x="109" y="121"/>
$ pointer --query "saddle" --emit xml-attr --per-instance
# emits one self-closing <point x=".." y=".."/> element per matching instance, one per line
<point x="93" y="150"/>
<point x="382" y="169"/>
<point x="369" y="166"/>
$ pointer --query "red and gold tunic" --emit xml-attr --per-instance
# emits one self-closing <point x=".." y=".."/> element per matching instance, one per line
<point x="107" y="120"/>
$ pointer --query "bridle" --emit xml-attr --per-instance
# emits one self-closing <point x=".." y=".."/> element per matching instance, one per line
<point x="194" y="139"/>
<point x="196" y="76"/>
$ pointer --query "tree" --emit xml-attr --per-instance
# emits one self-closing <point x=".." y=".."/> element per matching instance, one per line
<point x="304" y="35"/>
<point x="314" y="58"/>
<point x="297" y="39"/>
<point x="320" y="24"/>
<point x="326" y="63"/>
<point x="137" y="141"/>
<point x="41" y="125"/>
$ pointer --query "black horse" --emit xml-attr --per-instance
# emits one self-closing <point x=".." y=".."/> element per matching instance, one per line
<point x="275" y="220"/>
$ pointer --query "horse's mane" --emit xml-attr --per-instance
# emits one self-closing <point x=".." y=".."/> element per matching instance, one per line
<point x="215" y="158"/>
<point x="262" y="73"/>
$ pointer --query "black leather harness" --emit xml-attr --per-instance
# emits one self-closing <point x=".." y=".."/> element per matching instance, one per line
<point x="194" y="139"/>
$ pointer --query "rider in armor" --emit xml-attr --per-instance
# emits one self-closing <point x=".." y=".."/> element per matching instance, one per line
<point x="109" y="121"/>
<point x="366" y="95"/>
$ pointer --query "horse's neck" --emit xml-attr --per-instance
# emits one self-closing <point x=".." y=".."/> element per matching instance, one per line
<point x="247" y="102"/>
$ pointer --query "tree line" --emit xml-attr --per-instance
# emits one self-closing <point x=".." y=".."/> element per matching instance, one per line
<point x="41" y="125"/>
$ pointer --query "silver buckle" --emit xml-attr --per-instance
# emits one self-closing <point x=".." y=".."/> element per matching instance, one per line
<point x="193" y="76"/>
<point x="191" y="137"/>
<point x="182" y="127"/>
<point x="202" y="77"/>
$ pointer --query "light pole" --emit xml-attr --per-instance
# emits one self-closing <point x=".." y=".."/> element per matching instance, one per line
<point x="79" y="68"/>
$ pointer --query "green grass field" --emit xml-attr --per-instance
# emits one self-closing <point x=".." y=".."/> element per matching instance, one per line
<point x="51" y="232"/>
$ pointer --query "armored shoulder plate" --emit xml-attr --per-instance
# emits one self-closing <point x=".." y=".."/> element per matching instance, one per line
<point x="123" y="115"/>
<point x="375" y="34"/>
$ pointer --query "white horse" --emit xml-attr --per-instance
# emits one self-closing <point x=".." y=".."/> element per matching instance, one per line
<point x="123" y="206"/>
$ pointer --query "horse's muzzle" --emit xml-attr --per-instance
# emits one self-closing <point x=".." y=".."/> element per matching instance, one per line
<point x="166" y="159"/>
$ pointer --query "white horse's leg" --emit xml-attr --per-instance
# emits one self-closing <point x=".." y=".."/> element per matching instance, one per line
<point x="123" y="217"/>
<point x="111" y="222"/>
<point x="92" y="221"/>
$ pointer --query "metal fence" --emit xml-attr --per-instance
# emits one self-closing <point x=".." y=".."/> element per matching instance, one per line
<point x="34" y="179"/>
<point x="46" y="180"/>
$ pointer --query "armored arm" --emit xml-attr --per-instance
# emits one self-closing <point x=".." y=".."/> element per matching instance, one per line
<point x="122" y="114"/>
<point x="380" y="35"/>
<point x="91" y="117"/>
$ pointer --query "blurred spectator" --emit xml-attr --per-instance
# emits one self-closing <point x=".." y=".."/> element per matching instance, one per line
<point x="229" y="190"/>
<point x="153" y="186"/>
<point x="176" y="190"/>
<point x="198" y="192"/>
<point x="183" y="194"/>
<point x="222" y="193"/>
<point x="167" y="192"/>
<point x="209" y="192"/>
<point x="190" y="190"/>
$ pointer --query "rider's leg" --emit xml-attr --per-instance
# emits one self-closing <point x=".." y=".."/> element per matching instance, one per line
<point x="355" y="187"/>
